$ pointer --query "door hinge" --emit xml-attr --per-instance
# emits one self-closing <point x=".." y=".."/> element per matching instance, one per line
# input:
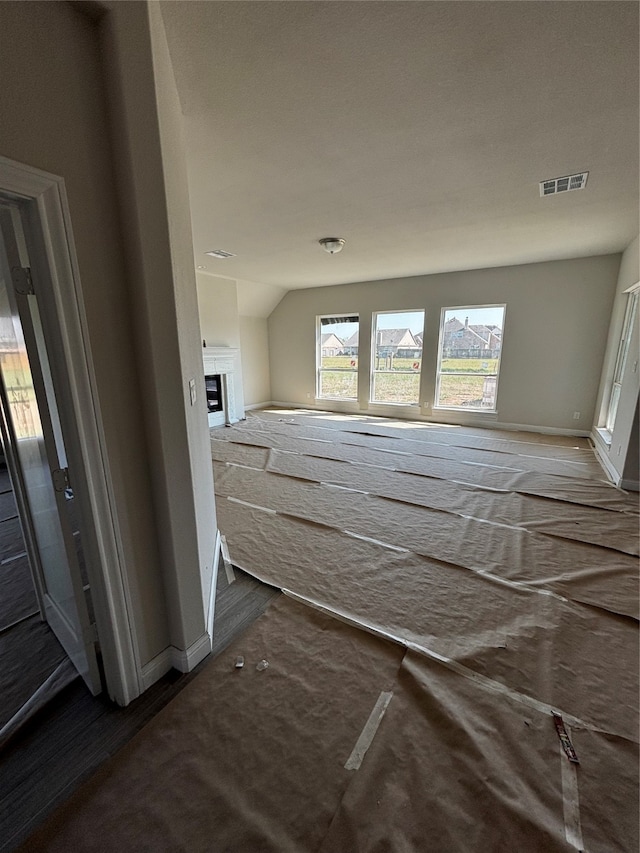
<point x="60" y="477"/>
<point x="22" y="281"/>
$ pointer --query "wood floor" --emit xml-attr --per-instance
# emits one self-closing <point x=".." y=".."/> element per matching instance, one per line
<point x="65" y="743"/>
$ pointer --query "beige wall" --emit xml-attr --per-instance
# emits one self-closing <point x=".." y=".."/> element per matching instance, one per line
<point x="254" y="339"/>
<point x="218" y="310"/>
<point x="191" y="508"/>
<point x="554" y="338"/>
<point x="219" y="321"/>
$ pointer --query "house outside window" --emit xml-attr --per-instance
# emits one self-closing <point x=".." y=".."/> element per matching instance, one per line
<point x="469" y="357"/>
<point x="336" y="357"/>
<point x="397" y="357"/>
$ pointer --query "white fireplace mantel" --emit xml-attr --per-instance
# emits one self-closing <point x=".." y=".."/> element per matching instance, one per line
<point x="224" y="361"/>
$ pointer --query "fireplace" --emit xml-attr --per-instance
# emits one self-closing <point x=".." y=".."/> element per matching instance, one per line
<point x="224" y="390"/>
<point x="213" y="384"/>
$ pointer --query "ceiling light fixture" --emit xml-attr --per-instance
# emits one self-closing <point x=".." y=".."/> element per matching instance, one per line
<point x="220" y="253"/>
<point x="332" y="245"/>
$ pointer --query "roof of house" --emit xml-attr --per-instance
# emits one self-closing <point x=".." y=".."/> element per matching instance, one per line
<point x="476" y="330"/>
<point x="328" y="339"/>
<point x="395" y="338"/>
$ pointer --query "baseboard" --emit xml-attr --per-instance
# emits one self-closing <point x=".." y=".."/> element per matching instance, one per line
<point x="544" y="430"/>
<point x="264" y="405"/>
<point x="482" y="420"/>
<point x="630" y="485"/>
<point x="214" y="582"/>
<point x="603" y="459"/>
<point x="156" y="668"/>
<point x="184" y="660"/>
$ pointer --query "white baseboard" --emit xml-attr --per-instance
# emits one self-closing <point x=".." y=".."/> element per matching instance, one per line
<point x="214" y="581"/>
<point x="603" y="459"/>
<point x="544" y="430"/>
<point x="184" y="660"/>
<point x="156" y="668"/>
<point x="486" y="420"/>
<point x="264" y="405"/>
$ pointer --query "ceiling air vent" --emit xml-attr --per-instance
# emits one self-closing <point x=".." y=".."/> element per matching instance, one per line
<point x="563" y="185"/>
<point x="220" y="253"/>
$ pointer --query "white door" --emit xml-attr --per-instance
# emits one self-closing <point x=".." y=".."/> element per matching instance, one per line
<point x="36" y="455"/>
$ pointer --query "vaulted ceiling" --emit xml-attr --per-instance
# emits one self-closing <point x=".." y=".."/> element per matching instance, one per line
<point x="417" y="131"/>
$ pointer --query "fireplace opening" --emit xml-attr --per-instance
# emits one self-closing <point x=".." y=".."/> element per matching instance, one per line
<point x="213" y="385"/>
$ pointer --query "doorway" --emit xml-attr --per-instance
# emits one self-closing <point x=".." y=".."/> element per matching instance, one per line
<point x="45" y="556"/>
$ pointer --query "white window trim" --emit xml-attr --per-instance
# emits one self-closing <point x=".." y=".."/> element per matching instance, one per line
<point x="606" y="430"/>
<point x="476" y="410"/>
<point x="47" y="201"/>
<point x="319" y="333"/>
<point x="372" y="372"/>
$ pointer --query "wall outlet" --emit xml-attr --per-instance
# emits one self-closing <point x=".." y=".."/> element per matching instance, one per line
<point x="576" y="416"/>
<point x="192" y="391"/>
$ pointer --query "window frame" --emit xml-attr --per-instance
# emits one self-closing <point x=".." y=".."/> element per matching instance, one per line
<point x="439" y="374"/>
<point x="372" y="371"/>
<point x="624" y="344"/>
<point x="319" y="369"/>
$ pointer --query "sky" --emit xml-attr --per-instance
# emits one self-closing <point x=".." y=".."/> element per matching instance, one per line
<point x="414" y="320"/>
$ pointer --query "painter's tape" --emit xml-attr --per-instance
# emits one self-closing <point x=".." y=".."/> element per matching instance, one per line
<point x="247" y="467"/>
<point x="252" y="506"/>
<point x="571" y="800"/>
<point x="481" y="681"/>
<point x="376" y="542"/>
<point x="485" y="465"/>
<point x="226" y="559"/>
<point x="368" y="732"/>
<point x="342" y="488"/>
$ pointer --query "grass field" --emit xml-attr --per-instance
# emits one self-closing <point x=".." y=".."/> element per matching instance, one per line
<point x="398" y="381"/>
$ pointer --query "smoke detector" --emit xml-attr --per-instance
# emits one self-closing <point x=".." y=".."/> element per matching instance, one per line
<point x="332" y="245"/>
<point x="553" y="186"/>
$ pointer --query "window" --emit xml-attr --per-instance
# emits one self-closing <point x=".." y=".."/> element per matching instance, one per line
<point x="397" y="357"/>
<point x="337" y="357"/>
<point x="469" y="357"/>
<point x="621" y="359"/>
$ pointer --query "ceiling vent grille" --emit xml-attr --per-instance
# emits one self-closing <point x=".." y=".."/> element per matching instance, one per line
<point x="563" y="185"/>
<point x="220" y="253"/>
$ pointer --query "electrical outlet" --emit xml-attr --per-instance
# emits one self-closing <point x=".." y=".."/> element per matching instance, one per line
<point x="576" y="416"/>
<point x="192" y="391"/>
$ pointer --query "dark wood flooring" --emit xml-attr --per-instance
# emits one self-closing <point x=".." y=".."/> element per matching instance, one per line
<point x="68" y="740"/>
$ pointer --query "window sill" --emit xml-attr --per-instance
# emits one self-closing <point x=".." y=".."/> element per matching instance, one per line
<point x="397" y="405"/>
<point x="605" y="435"/>
<point x="469" y="409"/>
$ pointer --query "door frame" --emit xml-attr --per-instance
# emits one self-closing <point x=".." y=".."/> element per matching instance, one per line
<point x="54" y="259"/>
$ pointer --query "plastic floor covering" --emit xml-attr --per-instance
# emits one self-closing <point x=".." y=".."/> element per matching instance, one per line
<point x="448" y="590"/>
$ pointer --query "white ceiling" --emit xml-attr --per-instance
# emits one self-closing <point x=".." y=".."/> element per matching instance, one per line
<point x="418" y="131"/>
